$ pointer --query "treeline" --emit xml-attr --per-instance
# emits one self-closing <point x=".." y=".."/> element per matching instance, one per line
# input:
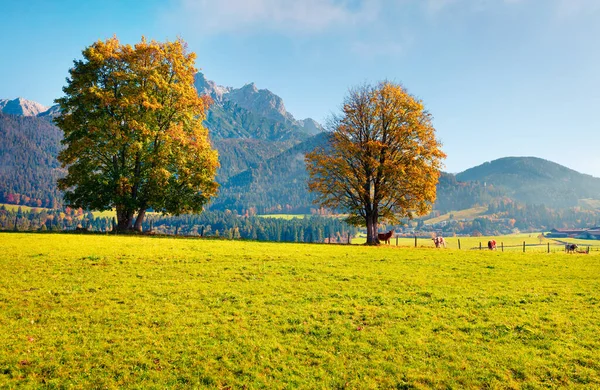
<point x="20" y="219"/>
<point x="208" y="224"/>
<point x="530" y="216"/>
<point x="232" y="226"/>
<point x="506" y="216"/>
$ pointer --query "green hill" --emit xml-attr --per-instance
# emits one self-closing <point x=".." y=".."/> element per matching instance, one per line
<point x="534" y="180"/>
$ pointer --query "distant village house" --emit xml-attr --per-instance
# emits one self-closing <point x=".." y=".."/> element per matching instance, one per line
<point x="585" y="234"/>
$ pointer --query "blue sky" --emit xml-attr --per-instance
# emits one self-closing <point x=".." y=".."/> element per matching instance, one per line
<point x="501" y="77"/>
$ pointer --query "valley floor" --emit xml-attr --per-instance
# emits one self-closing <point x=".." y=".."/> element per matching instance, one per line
<point x="100" y="311"/>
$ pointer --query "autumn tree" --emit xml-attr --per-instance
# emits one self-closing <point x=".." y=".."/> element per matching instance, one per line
<point x="133" y="133"/>
<point x="382" y="162"/>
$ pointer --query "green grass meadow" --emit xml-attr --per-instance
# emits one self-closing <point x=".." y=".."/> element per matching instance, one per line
<point x="93" y="311"/>
<point x="511" y="243"/>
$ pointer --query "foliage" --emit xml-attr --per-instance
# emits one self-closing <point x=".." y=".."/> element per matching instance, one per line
<point x="314" y="229"/>
<point x="138" y="312"/>
<point x="133" y="130"/>
<point x="382" y="161"/>
<point x="208" y="224"/>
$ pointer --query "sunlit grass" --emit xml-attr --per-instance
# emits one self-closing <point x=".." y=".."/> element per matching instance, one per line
<point x="283" y="216"/>
<point x="509" y="241"/>
<point x="468" y="214"/>
<point x="90" y="311"/>
<point x="15" y="207"/>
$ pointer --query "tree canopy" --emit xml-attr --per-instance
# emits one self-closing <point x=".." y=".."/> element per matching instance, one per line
<point x="383" y="160"/>
<point x="132" y="123"/>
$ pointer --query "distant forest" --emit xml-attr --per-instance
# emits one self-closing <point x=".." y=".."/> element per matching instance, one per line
<point x="208" y="224"/>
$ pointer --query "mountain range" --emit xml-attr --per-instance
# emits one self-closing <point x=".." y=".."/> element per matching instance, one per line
<point x="261" y="149"/>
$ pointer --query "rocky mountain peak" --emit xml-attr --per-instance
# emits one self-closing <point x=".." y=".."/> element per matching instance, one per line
<point x="209" y="87"/>
<point x="20" y="106"/>
<point x="311" y="126"/>
<point x="263" y="101"/>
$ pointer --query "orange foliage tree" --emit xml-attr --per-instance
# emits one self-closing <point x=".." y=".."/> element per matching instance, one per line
<point x="132" y="123"/>
<point x="382" y="161"/>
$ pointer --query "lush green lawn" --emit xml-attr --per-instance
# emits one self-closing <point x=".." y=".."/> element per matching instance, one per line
<point x="102" y="311"/>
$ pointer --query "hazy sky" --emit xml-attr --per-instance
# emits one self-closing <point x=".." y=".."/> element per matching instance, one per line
<point x="501" y="77"/>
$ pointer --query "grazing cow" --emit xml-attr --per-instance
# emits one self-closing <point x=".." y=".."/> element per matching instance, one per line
<point x="385" y="237"/>
<point x="492" y="245"/>
<point x="439" y="241"/>
<point x="570" y="248"/>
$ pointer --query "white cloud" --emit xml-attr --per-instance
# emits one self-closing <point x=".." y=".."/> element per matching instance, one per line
<point x="295" y="16"/>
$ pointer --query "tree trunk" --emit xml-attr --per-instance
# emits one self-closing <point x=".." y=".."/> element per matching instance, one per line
<point x="372" y="230"/>
<point x="138" y="221"/>
<point x="124" y="219"/>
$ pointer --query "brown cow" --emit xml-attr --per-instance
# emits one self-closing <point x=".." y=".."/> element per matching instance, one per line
<point x="439" y="242"/>
<point x="385" y="237"/>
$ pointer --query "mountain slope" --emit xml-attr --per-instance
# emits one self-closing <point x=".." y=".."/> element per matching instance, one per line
<point x="28" y="165"/>
<point x="277" y="185"/>
<point x="237" y="155"/>
<point x="534" y="180"/>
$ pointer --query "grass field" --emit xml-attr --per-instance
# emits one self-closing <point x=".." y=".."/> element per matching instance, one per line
<point x="87" y="311"/>
<point x="469" y="214"/>
<point x="15" y="207"/>
<point x="283" y="216"/>
<point x="512" y="242"/>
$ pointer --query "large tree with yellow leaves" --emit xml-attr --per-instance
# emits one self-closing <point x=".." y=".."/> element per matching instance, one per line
<point x="133" y="133"/>
<point x="383" y="160"/>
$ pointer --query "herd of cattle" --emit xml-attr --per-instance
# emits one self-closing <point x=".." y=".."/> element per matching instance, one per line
<point x="439" y="242"/>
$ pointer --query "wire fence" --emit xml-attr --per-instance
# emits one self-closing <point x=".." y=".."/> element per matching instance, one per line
<point x="512" y="244"/>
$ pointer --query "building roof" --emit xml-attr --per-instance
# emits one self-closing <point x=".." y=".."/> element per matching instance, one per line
<point x="569" y="231"/>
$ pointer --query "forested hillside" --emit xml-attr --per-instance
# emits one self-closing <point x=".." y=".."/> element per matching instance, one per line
<point x="277" y="185"/>
<point x="534" y="180"/>
<point x="28" y="165"/>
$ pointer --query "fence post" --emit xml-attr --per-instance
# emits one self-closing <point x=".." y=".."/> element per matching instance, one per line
<point x="502" y="246"/>
<point x="415" y="241"/>
<point x="548" y="247"/>
<point x="459" y="243"/>
<point x="523" y="246"/>
<point x="588" y="250"/>
<point x="479" y="245"/>
<point x="396" y="240"/>
<point x="348" y="238"/>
